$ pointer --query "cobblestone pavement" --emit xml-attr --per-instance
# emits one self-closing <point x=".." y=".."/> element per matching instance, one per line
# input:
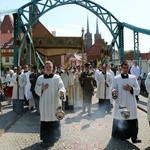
<point x="79" y="132"/>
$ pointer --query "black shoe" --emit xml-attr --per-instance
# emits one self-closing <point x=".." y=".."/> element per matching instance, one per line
<point x="31" y="109"/>
<point x="46" y="145"/>
<point x="37" y="113"/>
<point x="70" y="107"/>
<point x="119" y="138"/>
<point x="136" y="141"/>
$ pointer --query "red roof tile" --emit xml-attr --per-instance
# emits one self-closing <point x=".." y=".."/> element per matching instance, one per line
<point x="39" y="30"/>
<point x="7" y="24"/>
<point x="144" y="56"/>
<point x="5" y="38"/>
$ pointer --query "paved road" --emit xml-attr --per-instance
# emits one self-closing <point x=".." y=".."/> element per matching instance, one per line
<point x="79" y="132"/>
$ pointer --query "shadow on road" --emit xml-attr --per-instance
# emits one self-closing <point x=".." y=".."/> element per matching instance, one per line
<point x="35" y="146"/>
<point x="120" y="145"/>
<point x="98" y="111"/>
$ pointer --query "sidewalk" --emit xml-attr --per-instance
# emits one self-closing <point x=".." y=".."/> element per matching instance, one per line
<point x="7" y="117"/>
<point x="79" y="132"/>
<point x="142" y="105"/>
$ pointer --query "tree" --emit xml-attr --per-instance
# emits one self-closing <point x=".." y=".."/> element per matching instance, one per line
<point x="129" y="52"/>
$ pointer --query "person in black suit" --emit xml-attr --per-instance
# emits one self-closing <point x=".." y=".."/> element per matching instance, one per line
<point x="33" y="77"/>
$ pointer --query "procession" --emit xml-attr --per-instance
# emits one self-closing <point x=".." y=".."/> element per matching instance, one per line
<point x="68" y="84"/>
<point x="42" y="92"/>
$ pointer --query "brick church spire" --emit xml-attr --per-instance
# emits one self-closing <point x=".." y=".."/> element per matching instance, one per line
<point x="88" y="30"/>
<point x="33" y="12"/>
<point x="97" y="30"/>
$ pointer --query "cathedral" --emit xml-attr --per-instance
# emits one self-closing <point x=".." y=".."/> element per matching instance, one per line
<point x="92" y="50"/>
<point x="96" y="51"/>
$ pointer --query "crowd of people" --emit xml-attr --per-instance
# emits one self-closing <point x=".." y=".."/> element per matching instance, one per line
<point x="42" y="90"/>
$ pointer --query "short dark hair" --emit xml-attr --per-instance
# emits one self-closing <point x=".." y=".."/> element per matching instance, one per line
<point x="87" y="64"/>
<point x="124" y="63"/>
<point x="34" y="67"/>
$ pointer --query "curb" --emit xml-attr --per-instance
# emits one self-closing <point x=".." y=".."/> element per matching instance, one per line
<point x="11" y="122"/>
<point x="142" y="109"/>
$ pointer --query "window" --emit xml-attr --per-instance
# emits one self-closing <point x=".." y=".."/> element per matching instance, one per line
<point x="7" y="59"/>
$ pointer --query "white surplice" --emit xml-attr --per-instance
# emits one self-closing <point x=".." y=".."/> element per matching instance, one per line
<point x="71" y="89"/>
<point x="65" y="78"/>
<point x="147" y="84"/>
<point x="28" y="93"/>
<point x="125" y="98"/>
<point x="78" y="91"/>
<point x="19" y="86"/>
<point x="101" y="86"/>
<point x="49" y="99"/>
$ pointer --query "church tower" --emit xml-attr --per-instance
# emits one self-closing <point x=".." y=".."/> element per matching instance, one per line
<point x="97" y="36"/>
<point x="88" y="37"/>
<point x="33" y="12"/>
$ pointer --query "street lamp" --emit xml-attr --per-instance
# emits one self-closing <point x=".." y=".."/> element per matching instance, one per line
<point x="82" y="49"/>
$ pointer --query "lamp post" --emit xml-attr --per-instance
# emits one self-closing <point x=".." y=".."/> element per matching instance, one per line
<point x="82" y="49"/>
<point x="31" y="35"/>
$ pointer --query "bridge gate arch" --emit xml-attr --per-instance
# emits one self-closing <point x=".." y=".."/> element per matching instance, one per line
<point x="22" y="22"/>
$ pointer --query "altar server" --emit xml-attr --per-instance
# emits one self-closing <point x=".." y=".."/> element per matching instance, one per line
<point x="49" y="87"/>
<point x="126" y="87"/>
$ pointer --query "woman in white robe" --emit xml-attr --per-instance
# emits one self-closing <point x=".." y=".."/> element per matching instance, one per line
<point x="126" y="87"/>
<point x="49" y="87"/>
<point x="147" y="84"/>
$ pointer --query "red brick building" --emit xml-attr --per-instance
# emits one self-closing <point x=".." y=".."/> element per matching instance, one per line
<point x="6" y="41"/>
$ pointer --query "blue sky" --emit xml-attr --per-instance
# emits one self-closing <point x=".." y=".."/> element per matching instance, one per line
<point x="68" y="20"/>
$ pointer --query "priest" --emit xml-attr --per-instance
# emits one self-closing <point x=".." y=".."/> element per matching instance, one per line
<point x="104" y="81"/>
<point x="49" y="87"/>
<point x="125" y="86"/>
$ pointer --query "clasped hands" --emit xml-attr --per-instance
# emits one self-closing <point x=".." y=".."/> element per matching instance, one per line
<point x="127" y="87"/>
<point x="44" y="86"/>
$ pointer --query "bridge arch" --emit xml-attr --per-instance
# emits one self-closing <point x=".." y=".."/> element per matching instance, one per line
<point x="22" y="21"/>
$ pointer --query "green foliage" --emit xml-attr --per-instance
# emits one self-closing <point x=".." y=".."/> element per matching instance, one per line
<point x="129" y="52"/>
<point x="3" y="67"/>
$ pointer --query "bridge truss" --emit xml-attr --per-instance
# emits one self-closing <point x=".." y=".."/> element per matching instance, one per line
<point x="116" y="28"/>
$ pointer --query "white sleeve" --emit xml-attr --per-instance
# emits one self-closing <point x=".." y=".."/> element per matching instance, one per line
<point x="136" y="87"/>
<point x="38" y="87"/>
<point x="114" y="85"/>
<point x="61" y="87"/>
<point x="147" y="83"/>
